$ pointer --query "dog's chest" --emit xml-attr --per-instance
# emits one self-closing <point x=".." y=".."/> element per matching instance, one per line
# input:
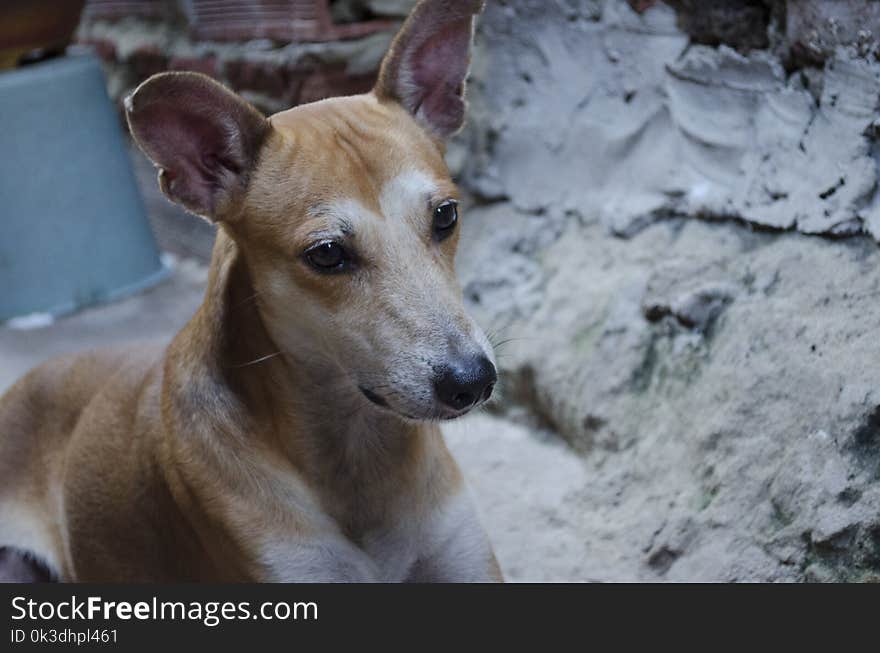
<point x="394" y="544"/>
<point x="411" y="540"/>
<point x="396" y="551"/>
<point x="425" y="545"/>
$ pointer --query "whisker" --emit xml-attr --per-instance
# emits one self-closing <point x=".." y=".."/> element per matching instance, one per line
<point x="246" y="300"/>
<point x="258" y="361"/>
<point x="497" y="345"/>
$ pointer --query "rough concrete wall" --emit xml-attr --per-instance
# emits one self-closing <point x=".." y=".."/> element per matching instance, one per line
<point x="639" y="236"/>
<point x="652" y="125"/>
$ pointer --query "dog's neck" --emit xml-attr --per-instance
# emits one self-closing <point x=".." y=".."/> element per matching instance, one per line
<point x="295" y="406"/>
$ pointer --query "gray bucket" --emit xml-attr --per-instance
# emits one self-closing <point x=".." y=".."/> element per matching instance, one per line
<point x="73" y="231"/>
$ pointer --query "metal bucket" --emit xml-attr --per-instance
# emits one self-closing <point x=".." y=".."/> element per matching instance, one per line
<point x="73" y="230"/>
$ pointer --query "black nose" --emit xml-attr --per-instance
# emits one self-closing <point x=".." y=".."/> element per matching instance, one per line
<point x="463" y="383"/>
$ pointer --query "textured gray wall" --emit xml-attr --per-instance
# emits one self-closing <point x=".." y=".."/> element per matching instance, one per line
<point x="652" y="232"/>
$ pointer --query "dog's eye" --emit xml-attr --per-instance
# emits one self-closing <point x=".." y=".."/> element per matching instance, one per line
<point x="445" y="219"/>
<point x="328" y="257"/>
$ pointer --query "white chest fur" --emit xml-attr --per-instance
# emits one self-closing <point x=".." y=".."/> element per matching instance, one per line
<point x="446" y="544"/>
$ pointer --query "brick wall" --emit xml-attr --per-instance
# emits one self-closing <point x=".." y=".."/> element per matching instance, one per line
<point x="276" y="53"/>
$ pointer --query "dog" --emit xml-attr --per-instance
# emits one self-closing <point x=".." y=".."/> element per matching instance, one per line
<point x="290" y="431"/>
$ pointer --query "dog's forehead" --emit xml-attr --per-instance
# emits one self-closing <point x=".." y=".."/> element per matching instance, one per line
<point x="332" y="156"/>
<point x="412" y="186"/>
<point x="403" y="201"/>
<point x="358" y="133"/>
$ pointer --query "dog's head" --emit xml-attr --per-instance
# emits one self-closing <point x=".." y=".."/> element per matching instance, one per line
<point x="345" y="214"/>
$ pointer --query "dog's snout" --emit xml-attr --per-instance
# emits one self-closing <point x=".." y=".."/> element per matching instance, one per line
<point x="464" y="383"/>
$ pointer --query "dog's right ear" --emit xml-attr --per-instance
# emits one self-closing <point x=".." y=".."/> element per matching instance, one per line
<point x="203" y="138"/>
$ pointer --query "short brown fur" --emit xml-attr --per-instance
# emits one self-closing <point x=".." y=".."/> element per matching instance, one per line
<point x="226" y="454"/>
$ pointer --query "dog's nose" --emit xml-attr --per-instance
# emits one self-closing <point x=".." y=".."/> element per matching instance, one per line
<point x="462" y="384"/>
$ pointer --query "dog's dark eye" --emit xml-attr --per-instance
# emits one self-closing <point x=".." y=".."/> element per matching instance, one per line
<point x="445" y="219"/>
<point x="328" y="257"/>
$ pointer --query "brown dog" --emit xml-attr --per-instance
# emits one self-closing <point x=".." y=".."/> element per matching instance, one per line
<point x="288" y="432"/>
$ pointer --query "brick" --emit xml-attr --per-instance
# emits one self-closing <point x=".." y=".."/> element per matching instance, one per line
<point x="260" y="76"/>
<point x="147" y="60"/>
<point x="207" y="65"/>
<point x="296" y="84"/>
<point x="285" y="21"/>
<point x="741" y="24"/>
<point x="117" y="9"/>
<point x="642" y="5"/>
<point x="333" y="81"/>
<point x="104" y="48"/>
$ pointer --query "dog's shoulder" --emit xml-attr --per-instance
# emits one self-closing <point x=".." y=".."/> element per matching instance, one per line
<point x="58" y="391"/>
<point x="52" y="435"/>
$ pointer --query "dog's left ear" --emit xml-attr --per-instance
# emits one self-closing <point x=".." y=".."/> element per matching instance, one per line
<point x="426" y="67"/>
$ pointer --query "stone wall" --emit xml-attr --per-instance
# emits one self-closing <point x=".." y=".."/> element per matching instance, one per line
<point x="673" y="236"/>
<point x="273" y="73"/>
